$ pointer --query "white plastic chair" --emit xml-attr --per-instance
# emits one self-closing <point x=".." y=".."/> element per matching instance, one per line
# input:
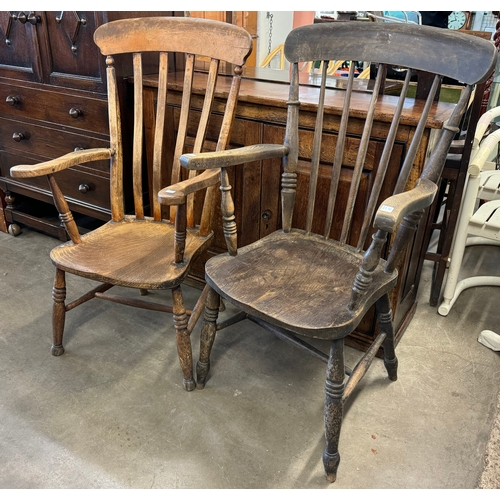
<point x="476" y="225"/>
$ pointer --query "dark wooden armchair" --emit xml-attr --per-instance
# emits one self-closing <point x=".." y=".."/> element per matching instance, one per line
<point x="318" y="280"/>
<point x="152" y="251"/>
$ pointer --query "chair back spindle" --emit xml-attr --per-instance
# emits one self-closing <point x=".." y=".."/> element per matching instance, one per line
<point x="339" y="153"/>
<point x="138" y="136"/>
<point x="115" y="133"/>
<point x="360" y="160"/>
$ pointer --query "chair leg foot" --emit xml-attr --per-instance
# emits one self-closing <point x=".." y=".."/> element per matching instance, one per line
<point x="391" y="365"/>
<point x="57" y="350"/>
<point x="331" y="464"/>
<point x="58" y="312"/>
<point x="189" y="385"/>
<point x="207" y="337"/>
<point x="202" y="370"/>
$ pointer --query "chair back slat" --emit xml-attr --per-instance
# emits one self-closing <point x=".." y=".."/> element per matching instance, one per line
<point x="116" y="169"/>
<point x="339" y="153"/>
<point x="360" y="160"/>
<point x="222" y="143"/>
<point x="316" y="151"/>
<point x="138" y="137"/>
<point x="419" y="132"/>
<point x="202" y="129"/>
<point x="383" y="164"/>
<point x="159" y="133"/>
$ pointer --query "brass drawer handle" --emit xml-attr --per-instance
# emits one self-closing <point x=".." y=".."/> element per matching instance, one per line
<point x="84" y="188"/>
<point x="18" y="136"/>
<point x="12" y="100"/>
<point x="75" y="112"/>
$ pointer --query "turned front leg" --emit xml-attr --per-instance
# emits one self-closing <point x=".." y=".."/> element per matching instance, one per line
<point x="58" y="312"/>
<point x="384" y="313"/>
<point x="208" y="331"/>
<point x="183" y="340"/>
<point x="334" y="408"/>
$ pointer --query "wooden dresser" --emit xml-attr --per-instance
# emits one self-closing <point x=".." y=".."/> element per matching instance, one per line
<point x="52" y="101"/>
<point x="261" y="118"/>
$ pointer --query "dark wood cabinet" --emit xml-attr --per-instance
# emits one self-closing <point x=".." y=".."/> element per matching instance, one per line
<point x="53" y="100"/>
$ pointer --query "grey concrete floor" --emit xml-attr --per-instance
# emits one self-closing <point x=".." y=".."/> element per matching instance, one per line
<point x="111" y="412"/>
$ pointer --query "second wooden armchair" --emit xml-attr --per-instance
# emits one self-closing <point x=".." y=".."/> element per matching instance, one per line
<point x="155" y="251"/>
<point x="318" y="279"/>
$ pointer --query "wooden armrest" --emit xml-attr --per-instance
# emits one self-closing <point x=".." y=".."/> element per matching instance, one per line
<point x="176" y="193"/>
<point x="230" y="157"/>
<point x="394" y="208"/>
<point x="61" y="163"/>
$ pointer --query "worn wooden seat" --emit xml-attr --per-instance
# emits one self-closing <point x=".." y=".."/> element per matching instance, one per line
<point x="318" y="275"/>
<point x="293" y="269"/>
<point x="145" y="258"/>
<point x="154" y="247"/>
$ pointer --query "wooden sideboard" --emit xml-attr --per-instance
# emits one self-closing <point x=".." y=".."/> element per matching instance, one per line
<point x="53" y="100"/>
<point x="261" y="118"/>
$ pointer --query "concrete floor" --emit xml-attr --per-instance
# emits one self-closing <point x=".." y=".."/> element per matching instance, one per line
<point x="111" y="412"/>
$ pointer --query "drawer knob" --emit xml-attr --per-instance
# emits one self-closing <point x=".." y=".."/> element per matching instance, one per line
<point x="12" y="100"/>
<point x="75" y="112"/>
<point x="84" y="188"/>
<point x="267" y="215"/>
<point x="18" y="136"/>
<point x="21" y="17"/>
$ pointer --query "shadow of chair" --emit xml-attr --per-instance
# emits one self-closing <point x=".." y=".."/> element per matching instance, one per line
<point x="319" y="277"/>
<point x="137" y="250"/>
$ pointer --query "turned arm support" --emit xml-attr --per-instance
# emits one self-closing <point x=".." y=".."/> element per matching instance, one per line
<point x="61" y="163"/>
<point x="396" y="207"/>
<point x="176" y="194"/>
<point x="230" y="157"/>
<point x="218" y="162"/>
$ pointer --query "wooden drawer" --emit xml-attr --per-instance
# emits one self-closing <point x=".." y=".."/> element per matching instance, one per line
<point x="78" y="185"/>
<point x="36" y="103"/>
<point x="49" y="142"/>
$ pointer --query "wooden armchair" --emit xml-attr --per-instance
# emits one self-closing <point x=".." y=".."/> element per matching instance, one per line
<point x="149" y="251"/>
<point x="318" y="280"/>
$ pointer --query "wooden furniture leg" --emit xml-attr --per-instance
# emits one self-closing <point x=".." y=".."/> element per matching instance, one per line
<point x="3" y="220"/>
<point x="208" y="330"/>
<point x="334" y="408"/>
<point x="183" y="339"/>
<point x="58" y="312"/>
<point x="384" y="314"/>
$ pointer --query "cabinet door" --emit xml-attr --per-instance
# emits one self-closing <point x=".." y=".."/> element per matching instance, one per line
<point x="70" y="56"/>
<point x="19" y="48"/>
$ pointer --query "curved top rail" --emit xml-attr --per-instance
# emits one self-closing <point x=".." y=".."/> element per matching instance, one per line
<point x="460" y="56"/>
<point x="209" y="38"/>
